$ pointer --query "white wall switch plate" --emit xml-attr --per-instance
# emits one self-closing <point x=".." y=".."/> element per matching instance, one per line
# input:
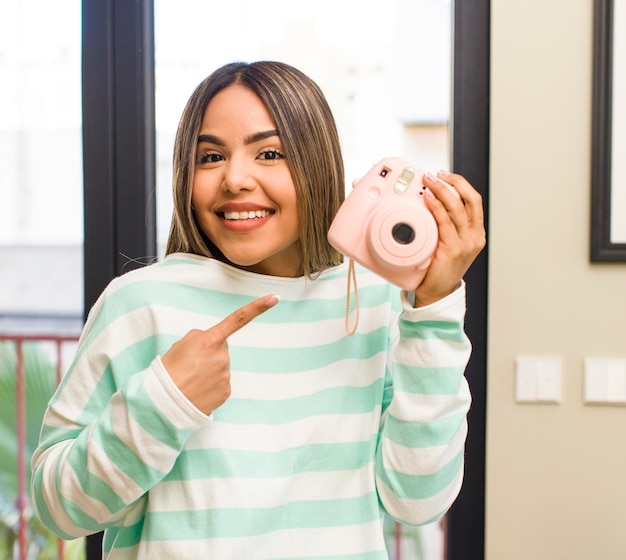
<point x="538" y="379"/>
<point x="605" y="381"/>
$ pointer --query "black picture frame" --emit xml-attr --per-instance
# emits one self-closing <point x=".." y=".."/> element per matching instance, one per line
<point x="602" y="248"/>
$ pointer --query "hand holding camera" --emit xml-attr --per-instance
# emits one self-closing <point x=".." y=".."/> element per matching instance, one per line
<point x="385" y="225"/>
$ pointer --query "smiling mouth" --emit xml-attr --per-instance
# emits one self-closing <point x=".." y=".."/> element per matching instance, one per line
<point x="246" y="215"/>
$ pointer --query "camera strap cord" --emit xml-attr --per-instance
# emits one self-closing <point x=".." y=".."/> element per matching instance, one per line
<point x="352" y="280"/>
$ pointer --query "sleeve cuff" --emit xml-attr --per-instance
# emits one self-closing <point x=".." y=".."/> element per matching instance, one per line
<point x="449" y="308"/>
<point x="181" y="407"/>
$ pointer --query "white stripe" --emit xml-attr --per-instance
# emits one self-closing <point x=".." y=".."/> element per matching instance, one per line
<point x="432" y="353"/>
<point x="337" y="428"/>
<point x="414" y="407"/>
<point x="418" y="512"/>
<point x="243" y="493"/>
<point x="273" y="386"/>
<point x="450" y="308"/>
<point x="128" y="553"/>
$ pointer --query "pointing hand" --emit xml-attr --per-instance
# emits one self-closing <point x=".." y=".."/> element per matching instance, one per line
<point x="199" y="363"/>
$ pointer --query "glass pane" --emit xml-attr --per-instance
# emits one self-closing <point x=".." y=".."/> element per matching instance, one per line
<point x="41" y="237"/>
<point x="385" y="68"/>
<point x="41" y="228"/>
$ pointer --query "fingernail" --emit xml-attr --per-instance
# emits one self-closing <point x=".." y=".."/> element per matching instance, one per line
<point x="273" y="299"/>
<point x="444" y="173"/>
<point x="430" y="176"/>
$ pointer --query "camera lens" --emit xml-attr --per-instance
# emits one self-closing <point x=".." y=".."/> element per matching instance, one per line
<point x="403" y="233"/>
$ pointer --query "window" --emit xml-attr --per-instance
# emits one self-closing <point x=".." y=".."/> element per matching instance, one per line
<point x="41" y="210"/>
<point x="385" y="71"/>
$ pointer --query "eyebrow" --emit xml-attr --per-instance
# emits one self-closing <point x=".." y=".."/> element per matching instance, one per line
<point x="210" y="139"/>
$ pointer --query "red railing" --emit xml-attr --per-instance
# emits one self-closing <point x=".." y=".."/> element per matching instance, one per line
<point x="20" y="398"/>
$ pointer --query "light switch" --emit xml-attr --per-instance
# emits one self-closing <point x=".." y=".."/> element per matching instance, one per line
<point x="538" y="379"/>
<point x="605" y="381"/>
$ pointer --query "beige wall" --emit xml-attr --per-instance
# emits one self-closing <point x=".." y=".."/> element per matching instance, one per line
<point x="556" y="473"/>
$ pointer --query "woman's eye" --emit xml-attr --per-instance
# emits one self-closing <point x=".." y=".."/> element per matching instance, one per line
<point x="210" y="157"/>
<point x="271" y="155"/>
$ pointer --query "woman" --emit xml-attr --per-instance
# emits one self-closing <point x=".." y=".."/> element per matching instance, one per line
<point x="216" y="407"/>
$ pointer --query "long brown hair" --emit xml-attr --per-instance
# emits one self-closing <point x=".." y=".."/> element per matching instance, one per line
<point x="309" y="136"/>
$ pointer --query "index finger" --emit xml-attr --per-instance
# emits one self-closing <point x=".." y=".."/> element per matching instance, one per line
<point x="242" y="316"/>
<point x="470" y="196"/>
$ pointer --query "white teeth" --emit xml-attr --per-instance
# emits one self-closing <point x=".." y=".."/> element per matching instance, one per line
<point x="246" y="215"/>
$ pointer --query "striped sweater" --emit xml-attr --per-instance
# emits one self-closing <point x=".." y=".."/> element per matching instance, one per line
<point x="321" y="434"/>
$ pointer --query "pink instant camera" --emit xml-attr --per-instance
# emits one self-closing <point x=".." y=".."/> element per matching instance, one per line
<point x="385" y="225"/>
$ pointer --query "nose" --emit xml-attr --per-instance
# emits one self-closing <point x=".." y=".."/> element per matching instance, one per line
<point x="238" y="176"/>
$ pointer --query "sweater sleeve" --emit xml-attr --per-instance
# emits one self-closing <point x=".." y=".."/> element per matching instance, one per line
<point x="112" y="431"/>
<point x="420" y="455"/>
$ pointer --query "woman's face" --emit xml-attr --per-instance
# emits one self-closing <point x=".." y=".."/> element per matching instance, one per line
<point x="243" y="195"/>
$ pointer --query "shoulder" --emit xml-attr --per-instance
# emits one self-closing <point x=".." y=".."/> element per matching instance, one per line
<point x="159" y="282"/>
<point x="176" y="269"/>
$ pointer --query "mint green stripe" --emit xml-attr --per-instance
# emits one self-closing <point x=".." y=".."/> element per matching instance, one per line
<point x="291" y="360"/>
<point x="195" y="464"/>
<point x="425" y="434"/>
<point x="123" y="537"/>
<point x="51" y="435"/>
<point x="334" y="400"/>
<point x="247" y="522"/>
<point x="427" y="381"/>
<point x="419" y="487"/>
<point x="444" y="330"/>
